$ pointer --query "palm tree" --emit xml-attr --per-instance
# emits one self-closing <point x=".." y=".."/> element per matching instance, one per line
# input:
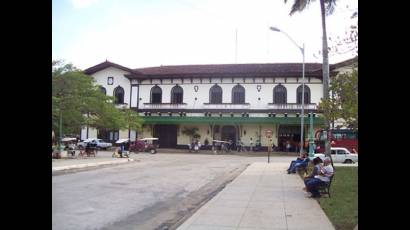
<point x="327" y="8"/>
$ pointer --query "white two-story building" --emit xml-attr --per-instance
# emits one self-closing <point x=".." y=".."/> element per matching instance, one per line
<point x="225" y="102"/>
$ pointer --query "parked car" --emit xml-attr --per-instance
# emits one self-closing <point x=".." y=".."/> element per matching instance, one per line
<point x="340" y="155"/>
<point x="148" y="144"/>
<point x="99" y="143"/>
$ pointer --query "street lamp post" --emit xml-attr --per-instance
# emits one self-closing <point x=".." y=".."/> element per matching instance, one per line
<point x="302" y="49"/>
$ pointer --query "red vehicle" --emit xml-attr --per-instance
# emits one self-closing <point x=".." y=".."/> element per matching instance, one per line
<point x="346" y="138"/>
<point x="145" y="145"/>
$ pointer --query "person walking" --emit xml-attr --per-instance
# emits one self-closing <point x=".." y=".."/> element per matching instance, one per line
<point x="288" y="146"/>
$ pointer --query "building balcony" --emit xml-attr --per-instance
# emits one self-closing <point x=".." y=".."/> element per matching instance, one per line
<point x="227" y="106"/>
<point x="164" y="106"/>
<point x="292" y="106"/>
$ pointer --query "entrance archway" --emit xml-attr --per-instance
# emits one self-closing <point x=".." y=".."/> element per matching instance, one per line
<point x="289" y="134"/>
<point x="228" y="133"/>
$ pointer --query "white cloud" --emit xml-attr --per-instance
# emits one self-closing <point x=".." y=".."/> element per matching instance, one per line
<point x="81" y="4"/>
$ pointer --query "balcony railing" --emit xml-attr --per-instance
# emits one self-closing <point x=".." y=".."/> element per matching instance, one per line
<point x="227" y="106"/>
<point x="292" y="106"/>
<point x="164" y="106"/>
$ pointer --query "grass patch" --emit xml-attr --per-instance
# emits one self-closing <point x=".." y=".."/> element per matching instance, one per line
<point x="342" y="207"/>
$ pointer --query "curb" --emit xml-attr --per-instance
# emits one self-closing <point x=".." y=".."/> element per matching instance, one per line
<point x="59" y="168"/>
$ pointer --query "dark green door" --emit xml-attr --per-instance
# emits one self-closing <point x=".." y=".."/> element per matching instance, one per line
<point x="167" y="135"/>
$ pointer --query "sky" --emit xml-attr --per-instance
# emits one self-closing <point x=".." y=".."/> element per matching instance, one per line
<point x="141" y="33"/>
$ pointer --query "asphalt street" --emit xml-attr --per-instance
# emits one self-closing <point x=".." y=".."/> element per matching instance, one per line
<point x="152" y="192"/>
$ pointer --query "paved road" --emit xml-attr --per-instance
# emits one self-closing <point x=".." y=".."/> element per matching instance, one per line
<point x="152" y="192"/>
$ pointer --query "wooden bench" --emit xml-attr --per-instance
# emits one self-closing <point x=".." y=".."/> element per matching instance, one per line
<point x="325" y="189"/>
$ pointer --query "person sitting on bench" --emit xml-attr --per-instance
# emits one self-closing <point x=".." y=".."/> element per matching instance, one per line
<point x="316" y="169"/>
<point x="300" y="161"/>
<point x="325" y="173"/>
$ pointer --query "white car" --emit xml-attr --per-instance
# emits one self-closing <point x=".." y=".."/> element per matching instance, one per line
<point x="340" y="155"/>
<point x="99" y="143"/>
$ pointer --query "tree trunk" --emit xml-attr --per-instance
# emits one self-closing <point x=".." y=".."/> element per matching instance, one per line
<point x="325" y="71"/>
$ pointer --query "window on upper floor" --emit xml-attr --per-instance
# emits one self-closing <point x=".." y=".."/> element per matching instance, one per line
<point x="279" y="94"/>
<point x="119" y="95"/>
<point x="306" y="96"/>
<point x="103" y="90"/>
<point x="215" y="95"/>
<point x="238" y="95"/>
<point x="156" y="95"/>
<point x="177" y="95"/>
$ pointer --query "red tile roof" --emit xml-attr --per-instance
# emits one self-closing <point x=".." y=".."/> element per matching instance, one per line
<point x="107" y="64"/>
<point x="222" y="70"/>
<point x="233" y="69"/>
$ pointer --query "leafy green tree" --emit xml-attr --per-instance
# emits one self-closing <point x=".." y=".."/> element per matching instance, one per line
<point x="344" y="101"/>
<point x="79" y="101"/>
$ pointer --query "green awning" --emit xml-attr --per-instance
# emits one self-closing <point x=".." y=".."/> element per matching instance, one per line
<point x="229" y="120"/>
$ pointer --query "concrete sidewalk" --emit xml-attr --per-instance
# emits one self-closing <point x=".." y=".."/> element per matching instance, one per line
<point x="264" y="196"/>
<point x="65" y="164"/>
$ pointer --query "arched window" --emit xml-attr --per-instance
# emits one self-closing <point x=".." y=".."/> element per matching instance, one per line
<point x="103" y="90"/>
<point x="215" y="95"/>
<point x="119" y="95"/>
<point x="299" y="95"/>
<point x="238" y="95"/>
<point x="177" y="95"/>
<point x="156" y="95"/>
<point x="279" y="94"/>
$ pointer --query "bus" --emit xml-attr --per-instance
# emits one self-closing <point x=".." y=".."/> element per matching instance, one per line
<point x="346" y="138"/>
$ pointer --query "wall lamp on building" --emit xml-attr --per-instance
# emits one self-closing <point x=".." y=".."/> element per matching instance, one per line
<point x="220" y="114"/>
<point x="297" y="114"/>
<point x="196" y="88"/>
<point x="286" y="115"/>
<point x="259" y="87"/>
<point x="231" y="114"/>
<point x="169" y="114"/>
<point x="159" y="113"/>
